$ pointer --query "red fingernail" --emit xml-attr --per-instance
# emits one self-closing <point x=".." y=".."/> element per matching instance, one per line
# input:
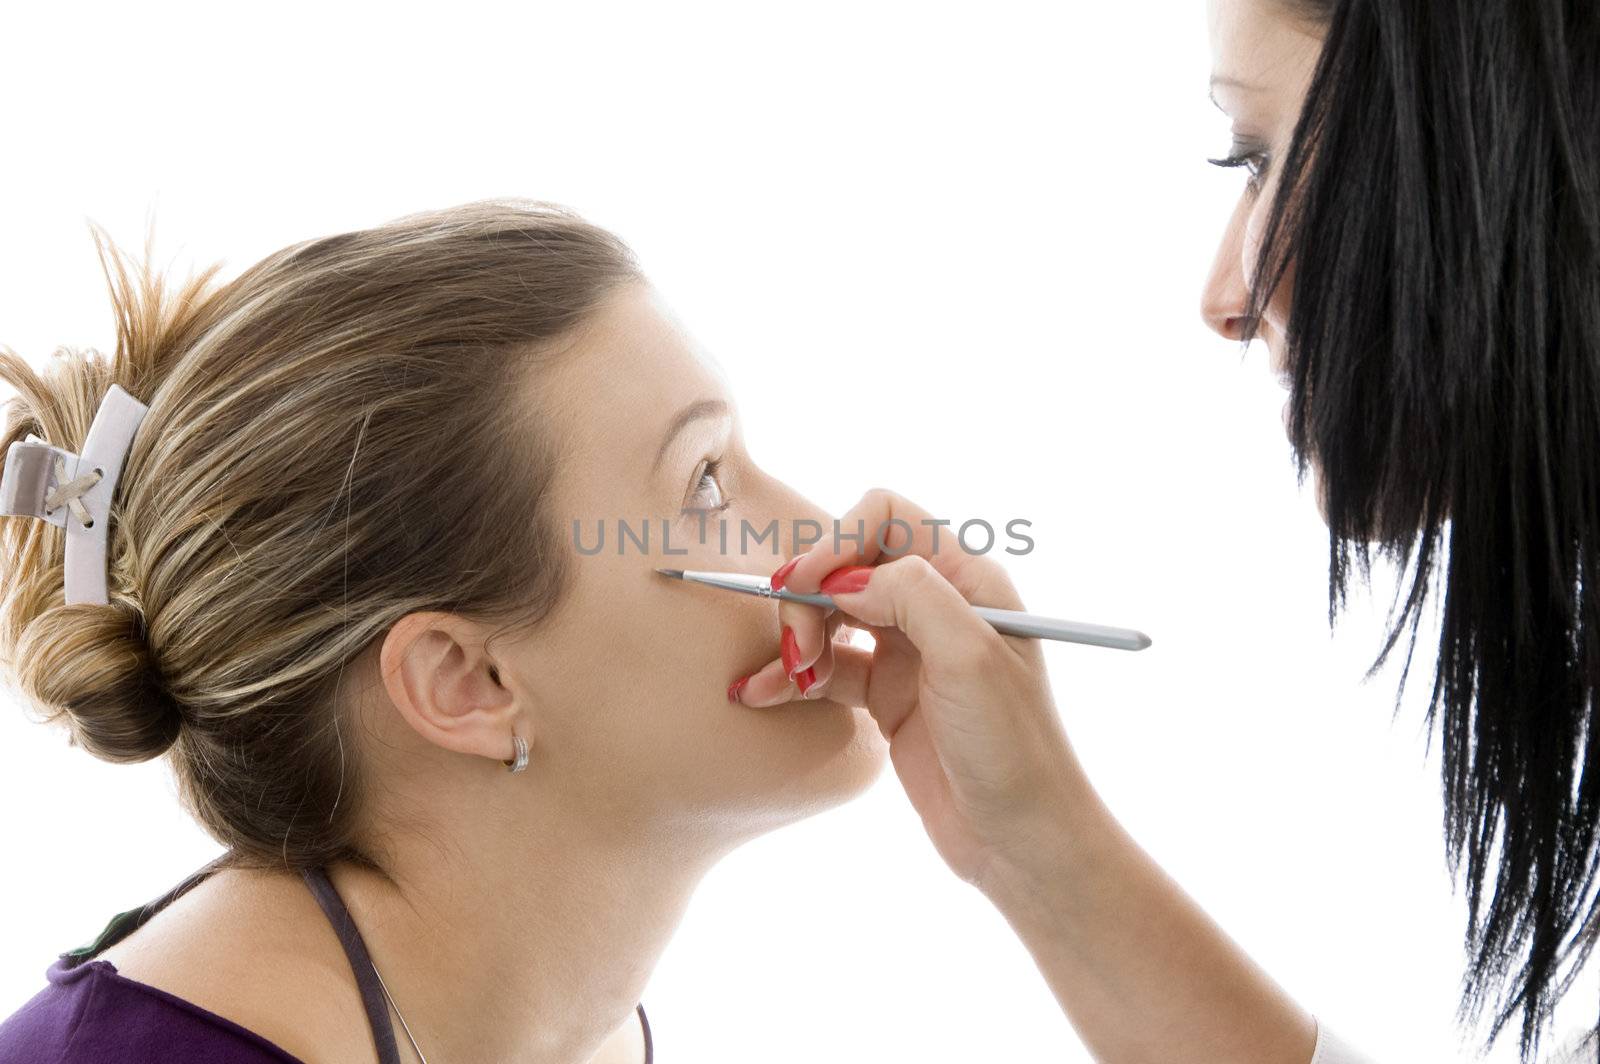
<point x="807" y="677"/>
<point x="791" y="652"/>
<point x="783" y="573"/>
<point x="844" y="580"/>
<point x="735" y="687"/>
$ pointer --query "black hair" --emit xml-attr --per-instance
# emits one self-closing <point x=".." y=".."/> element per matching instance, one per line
<point x="1436" y="216"/>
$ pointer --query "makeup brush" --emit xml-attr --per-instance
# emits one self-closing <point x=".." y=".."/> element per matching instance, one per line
<point x="1006" y="622"/>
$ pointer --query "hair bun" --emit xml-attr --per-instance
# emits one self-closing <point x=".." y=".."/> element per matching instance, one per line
<point x="91" y="663"/>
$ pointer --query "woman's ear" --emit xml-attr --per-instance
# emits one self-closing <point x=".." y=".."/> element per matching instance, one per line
<point x="437" y="673"/>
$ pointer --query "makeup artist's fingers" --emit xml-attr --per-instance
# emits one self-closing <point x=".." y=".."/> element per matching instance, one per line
<point x="803" y="636"/>
<point x="767" y="686"/>
<point x="910" y="595"/>
<point x="850" y="669"/>
<point x="773" y="683"/>
<point x="884" y="526"/>
<point x="813" y="680"/>
<point x="850" y="674"/>
<point x="882" y="680"/>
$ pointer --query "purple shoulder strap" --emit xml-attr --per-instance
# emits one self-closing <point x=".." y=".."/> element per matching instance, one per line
<point x="355" y="948"/>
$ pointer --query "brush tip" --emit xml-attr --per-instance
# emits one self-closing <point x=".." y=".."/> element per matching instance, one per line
<point x="676" y="573"/>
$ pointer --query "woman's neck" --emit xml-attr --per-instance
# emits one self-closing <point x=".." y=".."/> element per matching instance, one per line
<point x="529" y="940"/>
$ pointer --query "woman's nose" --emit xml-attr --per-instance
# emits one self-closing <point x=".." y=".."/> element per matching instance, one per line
<point x="802" y="523"/>
<point x="1222" y="303"/>
<point x="1223" y="300"/>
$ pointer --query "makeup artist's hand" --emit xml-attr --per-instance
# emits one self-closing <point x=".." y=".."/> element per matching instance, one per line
<point x="973" y="730"/>
<point x="1140" y="969"/>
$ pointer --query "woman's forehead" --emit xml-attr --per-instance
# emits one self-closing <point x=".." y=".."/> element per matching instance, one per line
<point x="1257" y="46"/>
<point x="627" y="375"/>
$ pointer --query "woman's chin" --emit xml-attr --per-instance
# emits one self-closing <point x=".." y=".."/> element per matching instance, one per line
<point x="841" y="755"/>
<point x="862" y="761"/>
<point x="859" y="756"/>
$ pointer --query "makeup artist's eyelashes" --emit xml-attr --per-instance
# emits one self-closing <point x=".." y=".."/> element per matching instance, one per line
<point x="1251" y="157"/>
<point x="708" y="494"/>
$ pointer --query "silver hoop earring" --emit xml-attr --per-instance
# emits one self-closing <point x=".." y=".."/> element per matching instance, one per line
<point x="520" y="760"/>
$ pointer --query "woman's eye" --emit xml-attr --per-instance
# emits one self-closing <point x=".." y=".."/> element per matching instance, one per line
<point x="1252" y="159"/>
<point x="707" y="493"/>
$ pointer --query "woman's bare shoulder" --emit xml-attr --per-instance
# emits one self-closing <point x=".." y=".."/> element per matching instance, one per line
<point x="254" y="948"/>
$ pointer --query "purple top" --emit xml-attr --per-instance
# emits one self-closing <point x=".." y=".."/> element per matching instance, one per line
<point x="89" y="1013"/>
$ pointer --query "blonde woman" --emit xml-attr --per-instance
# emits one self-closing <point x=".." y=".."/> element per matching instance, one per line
<point x="344" y="594"/>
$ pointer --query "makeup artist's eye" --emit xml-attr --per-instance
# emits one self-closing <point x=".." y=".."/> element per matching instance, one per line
<point x="1251" y="157"/>
<point x="707" y="493"/>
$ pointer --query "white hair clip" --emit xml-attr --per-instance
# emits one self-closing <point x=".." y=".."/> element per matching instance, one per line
<point x="47" y="482"/>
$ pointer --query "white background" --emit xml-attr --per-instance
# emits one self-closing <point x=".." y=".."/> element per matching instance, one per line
<point x="991" y="224"/>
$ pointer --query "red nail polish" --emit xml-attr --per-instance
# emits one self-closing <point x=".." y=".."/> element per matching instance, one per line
<point x="783" y="573"/>
<point x="735" y="687"/>
<point x="791" y="652"/>
<point x="844" y="580"/>
<point x="807" y="677"/>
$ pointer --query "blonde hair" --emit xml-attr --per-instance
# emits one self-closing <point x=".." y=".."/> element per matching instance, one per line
<point x="335" y="439"/>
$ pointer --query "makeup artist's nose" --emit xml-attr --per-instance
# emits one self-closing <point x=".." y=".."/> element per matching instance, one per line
<point x="1223" y="300"/>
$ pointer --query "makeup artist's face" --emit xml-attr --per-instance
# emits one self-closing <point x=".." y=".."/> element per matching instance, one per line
<point x="629" y="675"/>
<point x="1261" y="64"/>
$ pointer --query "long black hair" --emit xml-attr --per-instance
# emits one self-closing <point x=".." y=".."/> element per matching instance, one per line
<point x="1437" y="206"/>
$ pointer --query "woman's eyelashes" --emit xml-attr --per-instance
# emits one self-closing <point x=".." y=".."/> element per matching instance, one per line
<point x="1252" y="156"/>
<point x="707" y="493"/>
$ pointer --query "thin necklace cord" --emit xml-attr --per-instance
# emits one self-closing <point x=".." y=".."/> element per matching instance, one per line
<point x="404" y="1026"/>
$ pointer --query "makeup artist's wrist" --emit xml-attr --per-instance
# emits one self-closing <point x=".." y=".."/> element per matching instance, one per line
<point x="1054" y="853"/>
<point x="1141" y="971"/>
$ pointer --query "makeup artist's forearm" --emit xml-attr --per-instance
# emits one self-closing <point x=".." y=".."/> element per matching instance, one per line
<point x="1141" y="971"/>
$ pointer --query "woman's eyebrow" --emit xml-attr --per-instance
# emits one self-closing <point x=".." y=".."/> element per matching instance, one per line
<point x="696" y="410"/>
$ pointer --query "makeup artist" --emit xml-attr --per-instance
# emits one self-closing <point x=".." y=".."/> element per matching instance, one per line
<point x="1418" y="244"/>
